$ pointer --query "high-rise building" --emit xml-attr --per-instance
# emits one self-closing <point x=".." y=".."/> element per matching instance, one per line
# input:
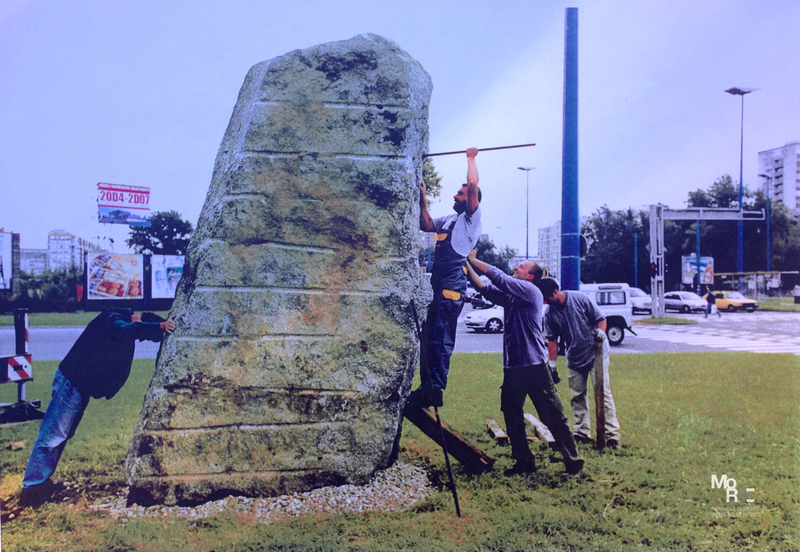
<point x="550" y="249"/>
<point x="782" y="166"/>
<point x="64" y="252"/>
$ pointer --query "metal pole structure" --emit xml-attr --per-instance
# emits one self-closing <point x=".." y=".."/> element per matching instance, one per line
<point x="21" y="344"/>
<point x="697" y="245"/>
<point x="635" y="259"/>
<point x="769" y="236"/>
<point x="484" y="149"/>
<point x="527" y="206"/>
<point x="739" y="91"/>
<point x="570" y="216"/>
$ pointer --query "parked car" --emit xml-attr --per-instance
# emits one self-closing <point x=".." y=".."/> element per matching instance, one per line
<point x="489" y="319"/>
<point x="614" y="301"/>
<point x="478" y="301"/>
<point x="733" y="300"/>
<point x="641" y="302"/>
<point x="684" y="301"/>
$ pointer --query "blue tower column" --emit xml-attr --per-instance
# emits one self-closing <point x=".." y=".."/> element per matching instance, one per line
<point x="570" y="216"/>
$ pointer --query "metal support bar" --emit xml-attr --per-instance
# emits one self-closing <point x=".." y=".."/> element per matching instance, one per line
<point x="658" y="214"/>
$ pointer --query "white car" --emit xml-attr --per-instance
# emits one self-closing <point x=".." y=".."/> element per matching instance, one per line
<point x="642" y="302"/>
<point x="684" y="301"/>
<point x="614" y="302"/>
<point x="486" y="320"/>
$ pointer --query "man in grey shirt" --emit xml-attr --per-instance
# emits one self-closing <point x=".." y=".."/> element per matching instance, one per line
<point x="576" y="320"/>
<point x="525" y="372"/>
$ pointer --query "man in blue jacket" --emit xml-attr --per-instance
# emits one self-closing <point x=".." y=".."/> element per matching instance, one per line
<point x="98" y="365"/>
<point x="525" y="371"/>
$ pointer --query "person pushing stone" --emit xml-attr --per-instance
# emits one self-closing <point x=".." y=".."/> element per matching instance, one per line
<point x="96" y="366"/>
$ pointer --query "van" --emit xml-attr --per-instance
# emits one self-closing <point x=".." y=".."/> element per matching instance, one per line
<point x="614" y="302"/>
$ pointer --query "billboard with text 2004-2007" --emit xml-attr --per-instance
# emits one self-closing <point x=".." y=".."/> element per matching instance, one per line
<point x="120" y="204"/>
<point x="111" y="276"/>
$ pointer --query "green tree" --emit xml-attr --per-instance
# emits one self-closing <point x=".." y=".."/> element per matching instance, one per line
<point x="610" y="253"/>
<point x="487" y="252"/>
<point x="433" y="182"/>
<point x="167" y="234"/>
<point x="718" y="238"/>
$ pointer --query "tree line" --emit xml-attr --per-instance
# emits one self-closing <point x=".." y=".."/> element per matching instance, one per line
<point x="613" y="252"/>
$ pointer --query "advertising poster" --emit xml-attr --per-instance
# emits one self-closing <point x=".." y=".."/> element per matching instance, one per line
<point x="166" y="270"/>
<point x="690" y="269"/>
<point x="120" y="204"/>
<point x="115" y="276"/>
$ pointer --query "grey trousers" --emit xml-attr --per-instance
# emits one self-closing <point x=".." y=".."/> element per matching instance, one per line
<point x="578" y="386"/>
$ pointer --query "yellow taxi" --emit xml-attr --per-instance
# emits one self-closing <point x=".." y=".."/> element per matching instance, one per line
<point x="733" y="300"/>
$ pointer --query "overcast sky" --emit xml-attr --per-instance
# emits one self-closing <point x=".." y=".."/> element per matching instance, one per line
<point x="140" y="93"/>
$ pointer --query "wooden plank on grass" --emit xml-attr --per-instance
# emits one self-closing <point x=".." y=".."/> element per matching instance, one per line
<point x="540" y="428"/>
<point x="470" y="456"/>
<point x="497" y="432"/>
<point x="599" y="384"/>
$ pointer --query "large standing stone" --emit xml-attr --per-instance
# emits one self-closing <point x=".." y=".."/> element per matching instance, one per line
<point x="295" y="346"/>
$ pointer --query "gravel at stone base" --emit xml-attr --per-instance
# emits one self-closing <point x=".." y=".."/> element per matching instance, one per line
<point x="395" y="489"/>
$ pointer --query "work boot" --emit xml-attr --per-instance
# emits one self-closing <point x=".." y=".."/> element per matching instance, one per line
<point x="583" y="439"/>
<point x="426" y="396"/>
<point x="520" y="467"/>
<point x="33" y="497"/>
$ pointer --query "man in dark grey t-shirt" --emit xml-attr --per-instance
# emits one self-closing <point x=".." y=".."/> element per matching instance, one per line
<point x="576" y="320"/>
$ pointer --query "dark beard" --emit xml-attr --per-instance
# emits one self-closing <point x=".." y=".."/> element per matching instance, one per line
<point x="459" y="208"/>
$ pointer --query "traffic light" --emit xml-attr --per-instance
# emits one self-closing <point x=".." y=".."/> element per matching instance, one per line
<point x="653" y="269"/>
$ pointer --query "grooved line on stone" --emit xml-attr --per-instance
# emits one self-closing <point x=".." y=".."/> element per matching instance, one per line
<point x="243" y="427"/>
<point x="302" y="291"/>
<point x="273" y="337"/>
<point x="279" y="245"/>
<point x="273" y="154"/>
<point x="340" y="105"/>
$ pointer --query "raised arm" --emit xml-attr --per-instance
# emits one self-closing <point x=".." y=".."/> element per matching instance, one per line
<point x="473" y="277"/>
<point x="473" y="262"/>
<point x="425" y="219"/>
<point x="472" y="181"/>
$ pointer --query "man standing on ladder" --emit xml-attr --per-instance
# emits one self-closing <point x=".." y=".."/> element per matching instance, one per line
<point x="456" y="236"/>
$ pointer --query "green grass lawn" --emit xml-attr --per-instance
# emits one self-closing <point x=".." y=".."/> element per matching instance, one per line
<point x="79" y="318"/>
<point x="684" y="417"/>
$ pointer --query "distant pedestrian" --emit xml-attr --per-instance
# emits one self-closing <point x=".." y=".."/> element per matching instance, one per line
<point x="711" y="303"/>
<point x="97" y="365"/>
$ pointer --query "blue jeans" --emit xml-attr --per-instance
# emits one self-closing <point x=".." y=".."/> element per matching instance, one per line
<point x="439" y="335"/>
<point x="60" y="421"/>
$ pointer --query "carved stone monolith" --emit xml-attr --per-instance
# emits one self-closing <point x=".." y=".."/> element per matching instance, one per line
<point x="295" y="346"/>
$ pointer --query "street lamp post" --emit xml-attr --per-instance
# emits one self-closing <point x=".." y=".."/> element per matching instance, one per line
<point x="527" y="204"/>
<point x="769" y="237"/>
<point x="740" y="91"/>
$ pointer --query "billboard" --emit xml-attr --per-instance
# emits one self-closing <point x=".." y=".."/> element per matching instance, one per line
<point x="120" y="204"/>
<point x="689" y="270"/>
<point x="111" y="276"/>
<point x="165" y="271"/>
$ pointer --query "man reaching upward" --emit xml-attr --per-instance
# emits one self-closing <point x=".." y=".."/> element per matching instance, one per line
<point x="456" y="236"/>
